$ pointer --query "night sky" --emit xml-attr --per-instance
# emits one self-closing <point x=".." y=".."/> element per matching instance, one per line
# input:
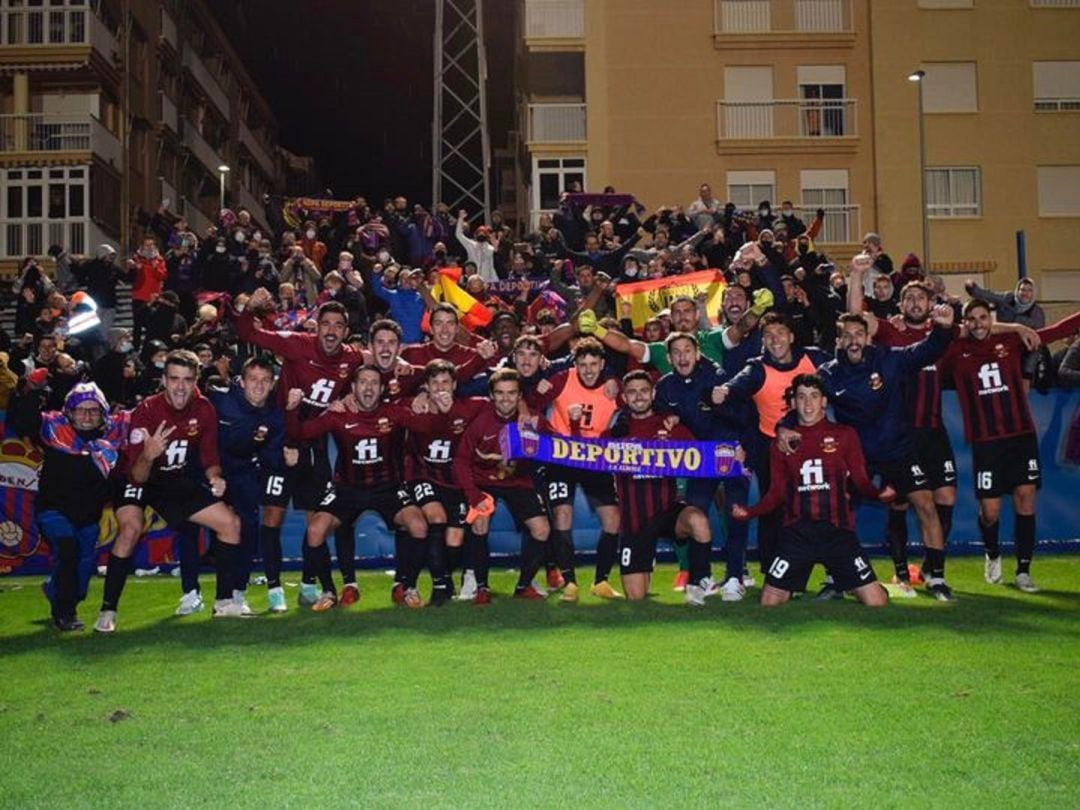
<point x="351" y="84"/>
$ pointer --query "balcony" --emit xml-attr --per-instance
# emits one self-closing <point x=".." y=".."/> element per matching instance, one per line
<point x="1057" y="104"/>
<point x="780" y="23"/>
<point x="169" y="117"/>
<point x="555" y="24"/>
<point x="242" y="198"/>
<point x="841" y="225"/>
<point x="814" y="125"/>
<point x="46" y="30"/>
<point x="257" y="150"/>
<point x="168" y="29"/>
<point x="35" y="135"/>
<point x="18" y="239"/>
<point x="214" y="91"/>
<point x="206" y="154"/>
<point x="557" y="123"/>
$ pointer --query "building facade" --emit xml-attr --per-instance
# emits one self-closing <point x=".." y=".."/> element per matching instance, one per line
<point x="809" y="101"/>
<point x="108" y="107"/>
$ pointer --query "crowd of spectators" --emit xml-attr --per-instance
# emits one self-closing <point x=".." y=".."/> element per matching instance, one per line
<point x="384" y="262"/>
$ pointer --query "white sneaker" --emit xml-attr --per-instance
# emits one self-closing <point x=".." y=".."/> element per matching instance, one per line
<point x="710" y="586"/>
<point x="732" y="590"/>
<point x="748" y="580"/>
<point x="258" y="580"/>
<point x="147" y="572"/>
<point x="106" y="622"/>
<point x="695" y="595"/>
<point x="992" y="570"/>
<point x="468" y="587"/>
<point x="240" y="597"/>
<point x="540" y="588"/>
<point x="227" y="608"/>
<point x="1024" y="583"/>
<point x="190" y="602"/>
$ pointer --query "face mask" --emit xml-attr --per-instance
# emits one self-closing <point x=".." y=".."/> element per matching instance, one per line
<point x="383" y="257"/>
<point x="787" y="212"/>
<point x="149" y="253"/>
<point x="220" y="248"/>
<point x="239" y="237"/>
<point x="763" y="211"/>
<point x="239" y="307"/>
<point x="630" y="271"/>
<point x="257" y="236"/>
<point x="264" y="254"/>
<point x="332" y="290"/>
<point x="125" y="347"/>
<point x="159" y="364"/>
<point x="310" y="234"/>
<point x="344" y="266"/>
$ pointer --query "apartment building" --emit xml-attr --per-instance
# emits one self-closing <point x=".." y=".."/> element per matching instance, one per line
<point x="809" y="100"/>
<point x="109" y="106"/>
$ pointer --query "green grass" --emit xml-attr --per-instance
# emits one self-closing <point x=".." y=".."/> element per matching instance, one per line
<point x="526" y="704"/>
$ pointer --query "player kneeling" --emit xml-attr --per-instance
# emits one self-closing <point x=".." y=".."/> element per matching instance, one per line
<point x="650" y="505"/>
<point x="811" y="483"/>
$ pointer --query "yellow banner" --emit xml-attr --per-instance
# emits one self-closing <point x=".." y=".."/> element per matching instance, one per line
<point x="648" y="298"/>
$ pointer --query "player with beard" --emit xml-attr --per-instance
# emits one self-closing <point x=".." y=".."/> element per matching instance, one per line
<point x="650" y="505"/>
<point x="367" y="475"/>
<point x="987" y="371"/>
<point x="484" y="475"/>
<point x="866" y="385"/>
<point x="320" y="365"/>
<point x="432" y="446"/>
<point x="174" y="437"/>
<point x="819" y="519"/>
<point x="582" y="404"/>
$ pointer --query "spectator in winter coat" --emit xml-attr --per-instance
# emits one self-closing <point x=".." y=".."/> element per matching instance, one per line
<point x="1017" y="306"/>
<point x="147" y="273"/>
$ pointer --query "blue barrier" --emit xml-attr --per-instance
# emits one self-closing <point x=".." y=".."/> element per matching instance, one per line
<point x="1058" y="513"/>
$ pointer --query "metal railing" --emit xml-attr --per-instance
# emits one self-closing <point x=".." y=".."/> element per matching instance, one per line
<point x="206" y="154"/>
<point x="51" y="27"/>
<point x="554" y="18"/>
<point x="257" y="150"/>
<point x="841" y="225"/>
<point x="772" y="16"/>
<point x="557" y="123"/>
<point x="169" y="116"/>
<point x="1057" y="104"/>
<point x="786" y="118"/>
<point x="193" y="62"/>
<point x="1055" y="3"/>
<point x="40" y="132"/>
<point x="32" y="238"/>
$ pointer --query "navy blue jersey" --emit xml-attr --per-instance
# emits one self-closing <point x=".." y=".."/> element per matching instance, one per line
<point x="869" y="396"/>
<point x="690" y="398"/>
<point x="250" y="439"/>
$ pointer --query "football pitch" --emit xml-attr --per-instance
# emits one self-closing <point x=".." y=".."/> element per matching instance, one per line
<point x="523" y="704"/>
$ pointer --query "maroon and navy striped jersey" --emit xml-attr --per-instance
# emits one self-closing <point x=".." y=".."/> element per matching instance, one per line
<point x="812" y="482"/>
<point x="989" y="380"/>
<point x="643" y="499"/>
<point x="923" y="392"/>
<point x="432" y="446"/>
<point x="367" y="442"/>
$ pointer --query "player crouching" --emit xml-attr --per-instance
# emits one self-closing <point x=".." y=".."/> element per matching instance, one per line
<point x="812" y="484"/>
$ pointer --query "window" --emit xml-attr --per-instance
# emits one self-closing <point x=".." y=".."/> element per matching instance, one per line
<point x="950" y="87"/>
<point x="42" y="207"/>
<point x="1059" y="191"/>
<point x="828" y="189"/>
<point x="822" y="105"/>
<point x="747" y="189"/>
<point x="551" y="177"/>
<point x="1056" y="86"/>
<point x="747" y="105"/>
<point x="953" y="192"/>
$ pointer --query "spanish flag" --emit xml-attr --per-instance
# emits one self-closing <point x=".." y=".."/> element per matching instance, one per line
<point x="473" y="314"/>
<point x="648" y="298"/>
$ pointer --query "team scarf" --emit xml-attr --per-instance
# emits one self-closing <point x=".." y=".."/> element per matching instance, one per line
<point x="639" y="457"/>
<point x="58" y="433"/>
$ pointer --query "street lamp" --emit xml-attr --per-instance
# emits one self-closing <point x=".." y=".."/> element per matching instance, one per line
<point x="918" y="76"/>
<point x="222" y="171"/>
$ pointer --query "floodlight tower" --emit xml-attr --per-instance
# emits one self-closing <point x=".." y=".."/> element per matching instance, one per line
<point x="460" y="151"/>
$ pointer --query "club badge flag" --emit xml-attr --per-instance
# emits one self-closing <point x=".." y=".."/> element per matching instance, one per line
<point x="627" y="456"/>
<point x="473" y="314"/>
<point x="648" y="298"/>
